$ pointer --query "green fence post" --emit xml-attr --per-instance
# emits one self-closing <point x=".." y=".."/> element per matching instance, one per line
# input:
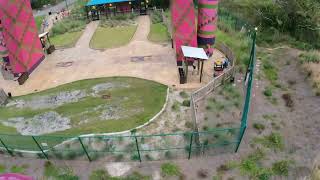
<point x="242" y="130"/>
<point x="84" y="149"/>
<point x="45" y="155"/>
<point x="138" y="150"/>
<point x="190" y="146"/>
<point x="6" y="147"/>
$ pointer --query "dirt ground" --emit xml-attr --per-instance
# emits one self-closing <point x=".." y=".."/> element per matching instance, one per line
<point x="299" y="126"/>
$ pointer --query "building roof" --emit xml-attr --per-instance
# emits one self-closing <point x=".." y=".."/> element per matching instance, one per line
<point x="193" y="52"/>
<point x="100" y="2"/>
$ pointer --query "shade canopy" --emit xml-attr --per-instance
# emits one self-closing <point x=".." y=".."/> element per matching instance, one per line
<point x="100" y="2"/>
<point x="192" y="52"/>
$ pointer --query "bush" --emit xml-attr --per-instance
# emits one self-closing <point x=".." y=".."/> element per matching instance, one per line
<point x="176" y="106"/>
<point x="67" y="25"/>
<point x="186" y="103"/>
<point x="288" y="100"/>
<point x="169" y="169"/>
<point x="188" y="124"/>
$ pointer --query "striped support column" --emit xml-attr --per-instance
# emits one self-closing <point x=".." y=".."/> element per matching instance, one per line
<point x="21" y="35"/>
<point x="3" y="49"/>
<point x="184" y="26"/>
<point x="207" y="24"/>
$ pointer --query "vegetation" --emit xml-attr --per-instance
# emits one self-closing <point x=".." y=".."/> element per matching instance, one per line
<point x="39" y="20"/>
<point x="18" y="169"/>
<point x="310" y="57"/>
<point x="105" y="37"/>
<point x="184" y="95"/>
<point x="36" y="4"/>
<point x="176" y="106"/>
<point x="158" y="30"/>
<point x="281" y="167"/>
<point x="66" y="40"/>
<point x="2" y="168"/>
<point x="139" y="95"/>
<point x="186" y="103"/>
<point x="59" y="173"/>
<point x="258" y="126"/>
<point x="272" y="141"/>
<point x="104" y="175"/>
<point x="169" y="169"/>
<point x="296" y="18"/>
<point x="268" y="91"/>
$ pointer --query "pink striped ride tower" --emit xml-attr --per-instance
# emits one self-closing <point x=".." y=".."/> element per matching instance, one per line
<point x="184" y="26"/>
<point x="207" y="24"/>
<point x="21" y="35"/>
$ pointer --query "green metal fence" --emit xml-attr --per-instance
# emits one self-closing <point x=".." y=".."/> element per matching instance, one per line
<point x="134" y="146"/>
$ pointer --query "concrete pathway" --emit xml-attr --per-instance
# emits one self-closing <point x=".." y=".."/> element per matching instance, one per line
<point x="159" y="65"/>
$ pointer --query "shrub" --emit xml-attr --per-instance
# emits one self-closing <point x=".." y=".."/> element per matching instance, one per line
<point x="135" y="157"/>
<point x="186" y="103"/>
<point x="205" y="128"/>
<point x="281" y="167"/>
<point x="169" y="169"/>
<point x="268" y="91"/>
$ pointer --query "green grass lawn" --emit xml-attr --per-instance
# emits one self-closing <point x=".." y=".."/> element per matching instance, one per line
<point x="39" y="20"/>
<point x="65" y="40"/>
<point x="107" y="37"/>
<point x="158" y="33"/>
<point x="140" y="94"/>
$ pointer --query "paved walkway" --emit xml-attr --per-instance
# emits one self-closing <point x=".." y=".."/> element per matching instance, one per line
<point x="160" y="65"/>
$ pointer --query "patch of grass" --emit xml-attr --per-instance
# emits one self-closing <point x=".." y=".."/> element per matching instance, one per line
<point x="184" y="95"/>
<point x="252" y="167"/>
<point x="310" y="57"/>
<point x="66" y="40"/>
<point x="107" y="37"/>
<point x="39" y="20"/>
<point x="186" y="103"/>
<point x="281" y="167"/>
<point x="169" y="169"/>
<point x="2" y="168"/>
<point x="158" y="33"/>
<point x="272" y="141"/>
<point x="269" y="69"/>
<point x="50" y="170"/>
<point x="156" y="17"/>
<point x="99" y="175"/>
<point x="18" y="169"/>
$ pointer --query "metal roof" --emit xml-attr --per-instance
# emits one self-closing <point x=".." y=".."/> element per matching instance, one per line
<point x="100" y="2"/>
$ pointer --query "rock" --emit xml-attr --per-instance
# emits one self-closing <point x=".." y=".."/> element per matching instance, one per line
<point x="40" y="124"/>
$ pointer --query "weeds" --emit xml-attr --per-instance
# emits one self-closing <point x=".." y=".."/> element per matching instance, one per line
<point x="2" y="168"/>
<point x="176" y="106"/>
<point x="288" y="100"/>
<point x="268" y="91"/>
<point x="259" y="127"/>
<point x="186" y="103"/>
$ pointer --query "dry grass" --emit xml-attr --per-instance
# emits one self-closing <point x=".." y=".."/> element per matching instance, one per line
<point x="313" y="70"/>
